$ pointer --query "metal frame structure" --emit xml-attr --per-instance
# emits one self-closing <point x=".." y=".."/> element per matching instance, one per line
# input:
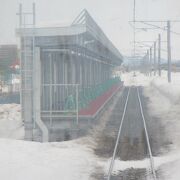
<point x="65" y="62"/>
<point x="27" y="56"/>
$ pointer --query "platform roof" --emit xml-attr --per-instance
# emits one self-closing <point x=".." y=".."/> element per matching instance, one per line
<point x="83" y="23"/>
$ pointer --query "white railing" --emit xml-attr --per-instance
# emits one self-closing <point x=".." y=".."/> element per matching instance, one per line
<point x="59" y="100"/>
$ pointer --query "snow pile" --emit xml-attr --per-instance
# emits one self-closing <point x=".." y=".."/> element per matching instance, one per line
<point x="11" y="125"/>
<point x="70" y="160"/>
<point x="170" y="90"/>
<point x="171" y="170"/>
<point x="135" y="79"/>
<point x="165" y="105"/>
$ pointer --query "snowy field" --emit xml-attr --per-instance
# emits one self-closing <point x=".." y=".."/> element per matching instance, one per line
<point x="75" y="160"/>
<point x="11" y="125"/>
<point x="72" y="160"/>
<point x="165" y="104"/>
<point x="31" y="160"/>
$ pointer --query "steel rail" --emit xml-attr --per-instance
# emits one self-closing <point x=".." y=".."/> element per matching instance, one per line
<point x="118" y="137"/>
<point x="147" y="137"/>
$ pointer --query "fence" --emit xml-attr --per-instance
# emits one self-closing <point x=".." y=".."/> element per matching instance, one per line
<point x="66" y="100"/>
<point x="59" y="100"/>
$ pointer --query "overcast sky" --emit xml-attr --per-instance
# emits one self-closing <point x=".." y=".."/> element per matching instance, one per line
<point x="113" y="16"/>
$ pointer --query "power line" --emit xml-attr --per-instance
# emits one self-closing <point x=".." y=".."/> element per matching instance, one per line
<point x="156" y="21"/>
<point x="176" y="33"/>
<point x="154" y="25"/>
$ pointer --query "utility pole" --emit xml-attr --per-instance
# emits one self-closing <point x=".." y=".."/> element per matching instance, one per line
<point x="169" y="49"/>
<point x="159" y="55"/>
<point x="134" y="22"/>
<point x="34" y="14"/>
<point x="20" y="15"/>
<point x="154" y="58"/>
<point x="154" y="26"/>
<point x="151" y="61"/>
<point x="147" y="61"/>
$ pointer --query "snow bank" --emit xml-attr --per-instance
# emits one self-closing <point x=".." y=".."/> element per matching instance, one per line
<point x="171" y="170"/>
<point x="170" y="90"/>
<point x="165" y="105"/>
<point x="11" y="125"/>
<point x="135" y="79"/>
<point x="21" y="160"/>
<point x="71" y="160"/>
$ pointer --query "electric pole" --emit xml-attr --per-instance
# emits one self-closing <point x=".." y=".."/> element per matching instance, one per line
<point x="147" y="61"/>
<point x="150" y="61"/>
<point x="159" y="55"/>
<point x="154" y="58"/>
<point x="134" y="22"/>
<point x="169" y="49"/>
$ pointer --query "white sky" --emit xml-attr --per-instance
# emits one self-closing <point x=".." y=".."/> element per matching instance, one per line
<point x="113" y="16"/>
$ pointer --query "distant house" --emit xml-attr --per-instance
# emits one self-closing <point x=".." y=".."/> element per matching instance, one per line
<point x="8" y="59"/>
<point x="9" y="68"/>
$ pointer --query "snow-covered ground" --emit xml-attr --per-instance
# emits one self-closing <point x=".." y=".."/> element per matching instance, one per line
<point x="161" y="161"/>
<point x="165" y="104"/>
<point x="44" y="161"/>
<point x="71" y="160"/>
<point x="135" y="78"/>
<point x="11" y="125"/>
<point x="75" y="160"/>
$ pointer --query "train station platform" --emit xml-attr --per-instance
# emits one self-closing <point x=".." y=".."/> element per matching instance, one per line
<point x="97" y="104"/>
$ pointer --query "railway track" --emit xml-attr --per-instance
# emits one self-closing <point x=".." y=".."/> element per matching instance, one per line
<point x="118" y="139"/>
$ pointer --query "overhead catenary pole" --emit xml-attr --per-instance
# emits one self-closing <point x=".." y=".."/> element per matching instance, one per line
<point x="148" y="63"/>
<point x="33" y="46"/>
<point x="154" y="58"/>
<point x="134" y="31"/>
<point x="34" y="14"/>
<point x="159" y="55"/>
<point x="20" y="27"/>
<point x="151" y="61"/>
<point x="168" y="29"/>
<point x="20" y="15"/>
<point x="134" y="20"/>
<point x="169" y="49"/>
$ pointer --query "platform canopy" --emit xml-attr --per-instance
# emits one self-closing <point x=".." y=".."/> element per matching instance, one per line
<point x="83" y="26"/>
<point x="92" y="28"/>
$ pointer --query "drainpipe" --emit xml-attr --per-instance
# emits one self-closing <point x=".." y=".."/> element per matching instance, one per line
<point x="37" y="96"/>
